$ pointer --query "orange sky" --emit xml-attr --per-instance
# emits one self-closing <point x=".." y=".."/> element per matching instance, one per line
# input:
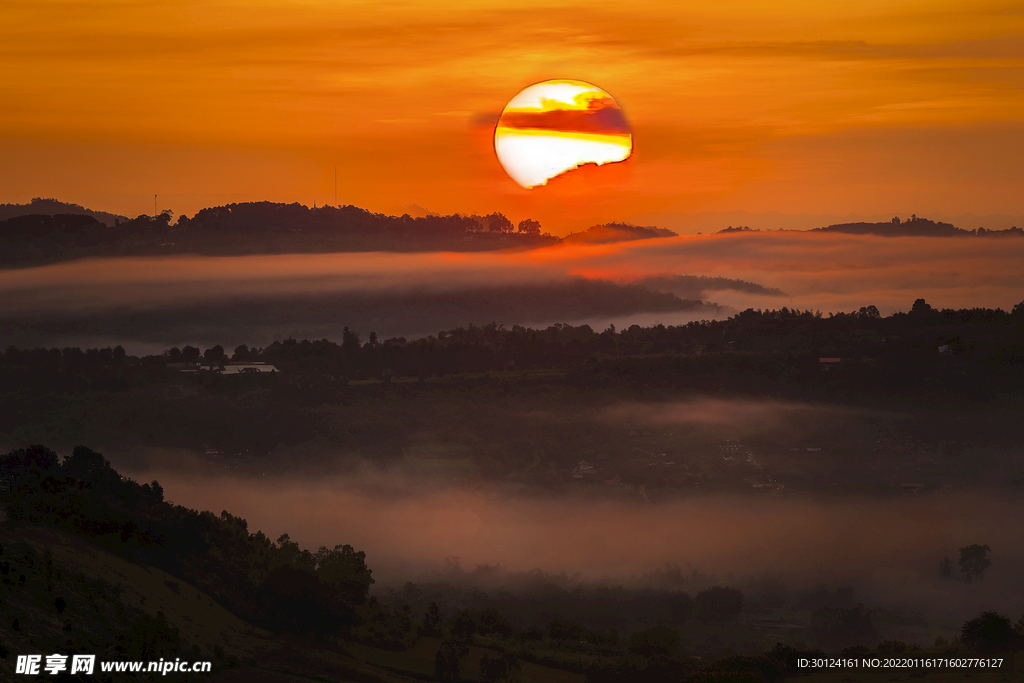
<point x="799" y="107"/>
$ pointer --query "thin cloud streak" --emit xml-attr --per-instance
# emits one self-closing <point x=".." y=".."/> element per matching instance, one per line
<point x="827" y="272"/>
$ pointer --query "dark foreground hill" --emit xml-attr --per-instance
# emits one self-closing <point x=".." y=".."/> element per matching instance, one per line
<point x="78" y="597"/>
<point x="63" y="594"/>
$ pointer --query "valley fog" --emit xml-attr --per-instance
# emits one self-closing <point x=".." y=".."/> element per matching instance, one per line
<point x="155" y="302"/>
<point x="888" y="548"/>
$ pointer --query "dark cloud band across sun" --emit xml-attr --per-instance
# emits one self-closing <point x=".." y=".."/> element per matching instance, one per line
<point x="554" y="127"/>
<point x="607" y="118"/>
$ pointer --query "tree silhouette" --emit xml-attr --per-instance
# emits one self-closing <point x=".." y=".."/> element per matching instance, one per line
<point x="350" y="340"/>
<point x="989" y="631"/>
<point x="497" y="222"/>
<point x="343" y="570"/>
<point x="870" y="312"/>
<point x="432" y="618"/>
<point x="529" y="226"/>
<point x="214" y="354"/>
<point x="921" y="307"/>
<point x="974" y="560"/>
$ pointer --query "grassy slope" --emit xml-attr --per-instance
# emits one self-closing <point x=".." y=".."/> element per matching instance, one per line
<point x="105" y="594"/>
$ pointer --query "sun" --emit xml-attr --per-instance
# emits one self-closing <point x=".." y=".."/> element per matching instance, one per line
<point x="554" y="127"/>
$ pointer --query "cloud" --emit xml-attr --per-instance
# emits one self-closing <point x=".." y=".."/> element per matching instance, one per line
<point x="215" y="314"/>
<point x="840" y="274"/>
<point x="609" y="120"/>
<point x="424" y="292"/>
<point x="485" y="119"/>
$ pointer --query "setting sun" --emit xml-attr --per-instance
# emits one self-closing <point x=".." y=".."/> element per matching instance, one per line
<point x="716" y="379"/>
<point x="554" y="127"/>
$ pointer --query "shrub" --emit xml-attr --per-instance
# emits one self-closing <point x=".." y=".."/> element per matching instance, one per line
<point x="988" y="632"/>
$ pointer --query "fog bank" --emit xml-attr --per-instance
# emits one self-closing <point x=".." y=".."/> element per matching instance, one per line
<point x="889" y="547"/>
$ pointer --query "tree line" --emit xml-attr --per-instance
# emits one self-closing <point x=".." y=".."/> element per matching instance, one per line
<point x="275" y="584"/>
<point x="970" y="342"/>
<point x="256" y="228"/>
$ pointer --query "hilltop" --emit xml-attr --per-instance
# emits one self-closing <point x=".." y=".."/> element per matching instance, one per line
<point x="617" y="232"/>
<point x="914" y="226"/>
<point x="46" y="235"/>
<point x="51" y="207"/>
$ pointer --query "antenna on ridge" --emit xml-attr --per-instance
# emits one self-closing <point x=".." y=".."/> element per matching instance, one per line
<point x="335" y="187"/>
<point x="154" y="207"/>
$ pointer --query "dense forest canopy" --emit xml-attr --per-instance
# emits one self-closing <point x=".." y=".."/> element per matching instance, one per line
<point x="988" y="338"/>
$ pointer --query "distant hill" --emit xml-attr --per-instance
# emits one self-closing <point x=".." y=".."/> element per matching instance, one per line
<point x="916" y="227"/>
<point x="912" y="227"/>
<point x="255" y="228"/>
<point x="698" y="286"/>
<point x="617" y="232"/>
<point x="270" y="228"/>
<point x="51" y="207"/>
<point x="738" y="228"/>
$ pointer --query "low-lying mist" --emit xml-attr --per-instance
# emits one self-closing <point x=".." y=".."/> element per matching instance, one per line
<point x="889" y="548"/>
<point x="191" y="299"/>
<point x="261" y="320"/>
<point x="724" y="418"/>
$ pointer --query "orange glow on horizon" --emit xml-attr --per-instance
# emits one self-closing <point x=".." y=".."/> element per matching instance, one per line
<point x="748" y="105"/>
